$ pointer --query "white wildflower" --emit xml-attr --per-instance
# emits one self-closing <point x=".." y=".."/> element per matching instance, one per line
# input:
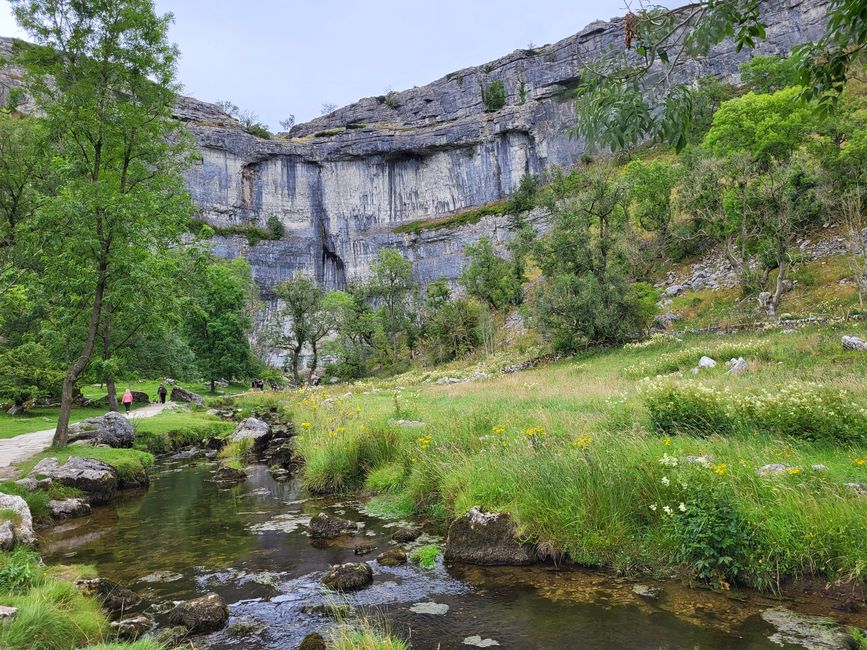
<point x="665" y="481"/>
<point x="666" y="509"/>
<point x="682" y="507"/>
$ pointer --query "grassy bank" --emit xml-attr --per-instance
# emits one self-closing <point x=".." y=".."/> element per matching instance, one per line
<point x="592" y="464"/>
<point x="52" y="613"/>
<point x="174" y="429"/>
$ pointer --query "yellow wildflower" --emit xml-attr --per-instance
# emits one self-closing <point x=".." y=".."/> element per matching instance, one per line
<point x="306" y="425"/>
<point x="794" y="470"/>
<point x="720" y="469"/>
<point x="582" y="442"/>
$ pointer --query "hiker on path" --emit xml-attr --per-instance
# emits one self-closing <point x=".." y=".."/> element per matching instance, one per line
<point x="162" y="392"/>
<point x="127" y="399"/>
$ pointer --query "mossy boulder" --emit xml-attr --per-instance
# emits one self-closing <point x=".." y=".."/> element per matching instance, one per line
<point x="207" y="613"/>
<point x="324" y="526"/>
<point x="348" y="577"/>
<point x="486" y="538"/>
<point x="392" y="557"/>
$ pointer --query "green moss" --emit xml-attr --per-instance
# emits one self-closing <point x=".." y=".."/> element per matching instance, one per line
<point x="128" y="462"/>
<point x="327" y="133"/>
<point x="466" y="217"/>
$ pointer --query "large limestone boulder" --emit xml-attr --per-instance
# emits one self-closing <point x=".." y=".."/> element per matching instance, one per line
<point x="323" y="526"/>
<point x="16" y="524"/>
<point x="854" y="343"/>
<point x="207" y="613"/>
<point x="183" y="395"/>
<point x="486" y="538"/>
<point x="257" y="431"/>
<point x="348" y="577"/>
<point x="112" y="429"/>
<point x="96" y="479"/>
<point x="114" y="597"/>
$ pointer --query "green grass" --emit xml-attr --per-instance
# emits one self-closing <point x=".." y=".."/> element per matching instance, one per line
<point x="127" y="462"/>
<point x="572" y="452"/>
<point x="174" y="428"/>
<point x="149" y="386"/>
<point x="463" y="218"/>
<point x="40" y="419"/>
<point x="363" y="635"/>
<point x="426" y="556"/>
<point x="52" y="612"/>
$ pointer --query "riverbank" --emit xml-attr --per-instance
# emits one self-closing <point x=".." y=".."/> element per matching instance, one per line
<point x="626" y="459"/>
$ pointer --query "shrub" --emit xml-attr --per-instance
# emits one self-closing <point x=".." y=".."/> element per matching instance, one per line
<point x="494" y="96"/>
<point x="692" y="409"/>
<point x="20" y="570"/>
<point x="714" y="540"/>
<point x="276" y="226"/>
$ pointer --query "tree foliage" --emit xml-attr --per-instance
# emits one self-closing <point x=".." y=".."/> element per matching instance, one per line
<point x="490" y="278"/>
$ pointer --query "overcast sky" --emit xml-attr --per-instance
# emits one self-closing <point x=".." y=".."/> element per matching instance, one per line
<point x="277" y="57"/>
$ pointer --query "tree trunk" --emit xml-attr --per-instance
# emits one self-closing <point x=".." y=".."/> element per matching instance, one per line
<point x="774" y="302"/>
<point x="296" y="354"/>
<point x="61" y="433"/>
<point x="213" y="386"/>
<point x="313" y="363"/>
<point x="108" y="377"/>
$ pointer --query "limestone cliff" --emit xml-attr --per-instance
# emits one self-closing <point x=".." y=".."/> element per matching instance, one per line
<point x="341" y="183"/>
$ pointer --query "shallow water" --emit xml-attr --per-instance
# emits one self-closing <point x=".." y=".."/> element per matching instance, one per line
<point x="249" y="543"/>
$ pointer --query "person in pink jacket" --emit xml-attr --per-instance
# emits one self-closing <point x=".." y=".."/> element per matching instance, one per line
<point x="127" y="399"/>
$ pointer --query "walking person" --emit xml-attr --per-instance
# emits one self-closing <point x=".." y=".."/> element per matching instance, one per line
<point x="162" y="392"/>
<point x="127" y="399"/>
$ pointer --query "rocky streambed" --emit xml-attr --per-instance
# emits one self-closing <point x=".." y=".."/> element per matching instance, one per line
<point x="263" y="547"/>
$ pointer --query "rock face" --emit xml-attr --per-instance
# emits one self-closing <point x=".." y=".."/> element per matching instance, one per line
<point x="323" y="526"/>
<point x="258" y="432"/>
<point x="207" y="613"/>
<point x="18" y="527"/>
<point x="183" y="395"/>
<point x="348" y="577"/>
<point x="486" y="538"/>
<point x="112" y="429"/>
<point x="96" y="479"/>
<point x="341" y="183"/>
<point x="68" y="508"/>
<point x="113" y="597"/>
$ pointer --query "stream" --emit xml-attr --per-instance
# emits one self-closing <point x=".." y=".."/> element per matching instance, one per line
<point x="186" y="536"/>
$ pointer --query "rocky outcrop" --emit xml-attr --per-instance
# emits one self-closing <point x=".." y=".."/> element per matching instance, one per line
<point x="112" y="429"/>
<point x="114" y="597"/>
<point x="342" y="183"/>
<point x="68" y="508"/>
<point x="16" y="526"/>
<point x="207" y="613"/>
<point x="96" y="479"/>
<point x="486" y="538"/>
<point x="183" y="395"/>
<point x="324" y="526"/>
<point x="348" y="577"/>
<point x="257" y="432"/>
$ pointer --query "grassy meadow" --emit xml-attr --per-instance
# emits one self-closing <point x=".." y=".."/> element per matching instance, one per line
<point x="618" y="458"/>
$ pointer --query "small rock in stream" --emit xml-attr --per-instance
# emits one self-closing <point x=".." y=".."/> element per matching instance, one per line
<point x="646" y="591"/>
<point x="435" y="609"/>
<point x="363" y="549"/>
<point x="392" y="557"/>
<point x="348" y="577"/>
<point x="479" y="642"/>
<point x="323" y="526"/>
<point x="114" y="597"/>
<point x="404" y="535"/>
<point x="161" y="576"/>
<point x="207" y="613"/>
<point x="130" y="629"/>
<point x="68" y="508"/>
<point x="313" y="641"/>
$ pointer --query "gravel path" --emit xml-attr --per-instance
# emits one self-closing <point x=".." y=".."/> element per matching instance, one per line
<point x="19" y="448"/>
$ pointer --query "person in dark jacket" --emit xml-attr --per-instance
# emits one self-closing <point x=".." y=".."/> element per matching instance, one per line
<point x="162" y="392"/>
